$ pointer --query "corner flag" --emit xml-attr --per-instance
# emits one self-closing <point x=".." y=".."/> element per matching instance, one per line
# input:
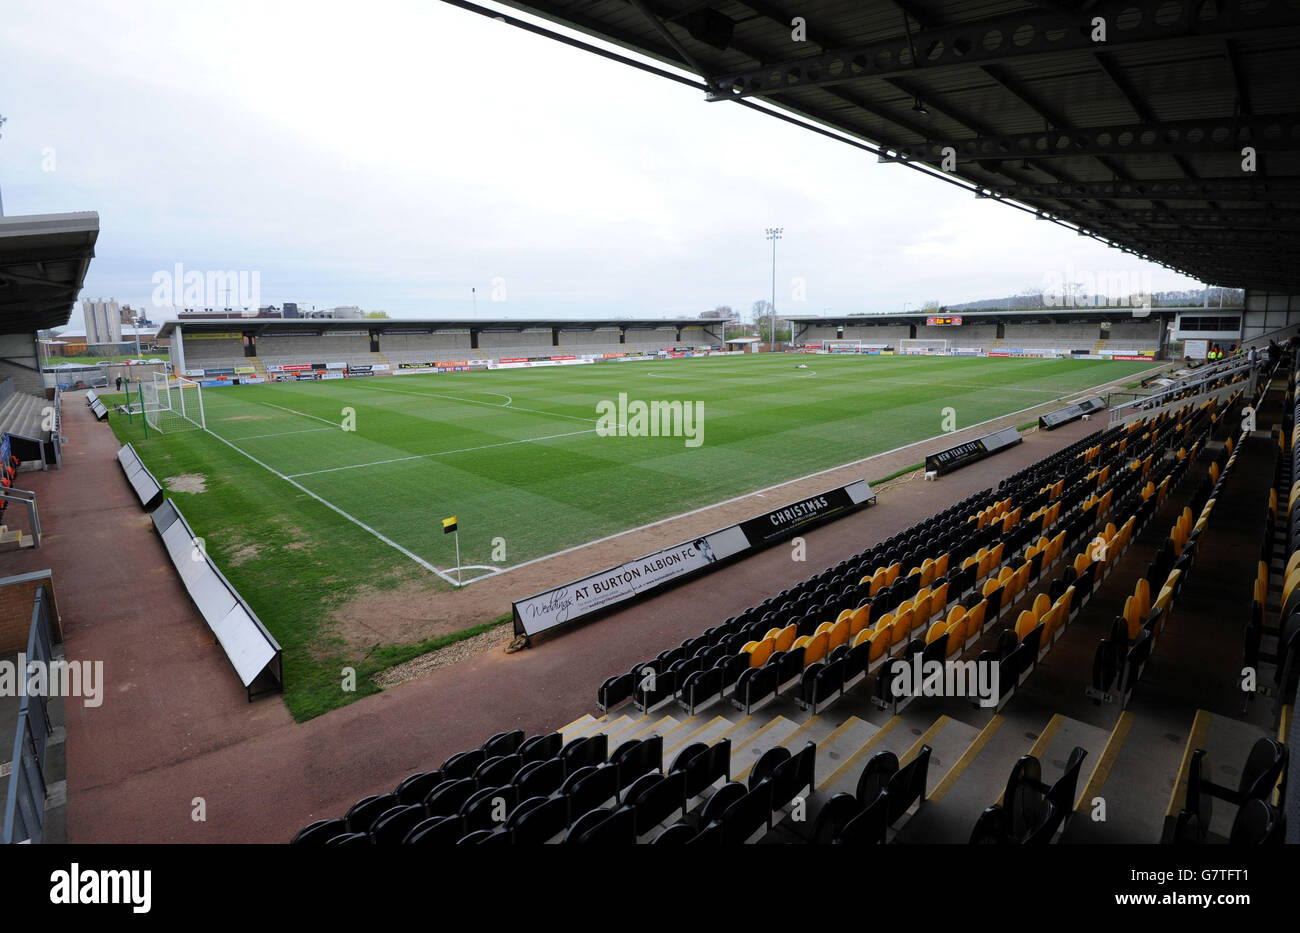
<point x="449" y="525"/>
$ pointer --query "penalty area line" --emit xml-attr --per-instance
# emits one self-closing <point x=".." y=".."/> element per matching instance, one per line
<point x="440" y="453"/>
<point x="330" y="505"/>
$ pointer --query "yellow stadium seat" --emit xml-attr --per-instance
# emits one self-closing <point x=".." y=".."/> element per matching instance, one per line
<point x="884" y="622"/>
<point x="1042" y="603"/>
<point x="941" y="565"/>
<point x="934" y="632"/>
<point x="1142" y="592"/>
<point x="839" y="635"/>
<point x="1025" y="623"/>
<point x="892" y="573"/>
<point x="863" y="637"/>
<point x="860" y="620"/>
<point x="785" y="638"/>
<point x="975" y="618"/>
<point x="758" y="657"/>
<point x="816" y="649"/>
<point x="939" y="599"/>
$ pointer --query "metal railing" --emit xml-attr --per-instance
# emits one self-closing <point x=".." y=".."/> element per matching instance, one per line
<point x="1196" y="383"/>
<point x="24" y="813"/>
<point x="27" y="498"/>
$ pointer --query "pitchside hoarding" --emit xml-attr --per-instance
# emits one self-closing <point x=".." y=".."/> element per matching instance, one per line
<point x="945" y="461"/>
<point x="636" y="578"/>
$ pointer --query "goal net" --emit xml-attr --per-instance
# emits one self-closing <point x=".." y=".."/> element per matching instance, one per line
<point x="843" y="346"/>
<point x="173" y="404"/>
<point x="913" y="345"/>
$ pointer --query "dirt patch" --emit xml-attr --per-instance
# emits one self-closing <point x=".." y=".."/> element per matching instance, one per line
<point x="187" y="482"/>
<point x="244" y="555"/>
<point x="401" y="615"/>
<point x="495" y="637"/>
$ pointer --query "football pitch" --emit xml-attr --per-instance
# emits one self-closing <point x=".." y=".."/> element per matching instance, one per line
<point x="312" y="492"/>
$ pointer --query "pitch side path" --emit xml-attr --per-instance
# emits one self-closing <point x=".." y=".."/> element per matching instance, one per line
<point x="175" y="724"/>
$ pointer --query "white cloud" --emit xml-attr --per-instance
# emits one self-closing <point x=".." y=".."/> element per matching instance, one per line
<point x="395" y="155"/>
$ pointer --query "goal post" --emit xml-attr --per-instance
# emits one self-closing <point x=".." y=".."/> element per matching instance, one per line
<point x="914" y="346"/>
<point x="173" y="404"/>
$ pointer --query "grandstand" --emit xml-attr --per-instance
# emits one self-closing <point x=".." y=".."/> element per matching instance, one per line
<point x="252" y="350"/>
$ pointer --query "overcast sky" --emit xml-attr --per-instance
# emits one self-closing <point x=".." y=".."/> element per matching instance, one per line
<point x="398" y="153"/>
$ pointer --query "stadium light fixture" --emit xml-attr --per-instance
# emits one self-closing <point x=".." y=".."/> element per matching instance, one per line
<point x="773" y="234"/>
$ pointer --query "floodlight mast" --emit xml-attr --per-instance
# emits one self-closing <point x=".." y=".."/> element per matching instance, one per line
<point x="773" y="234"/>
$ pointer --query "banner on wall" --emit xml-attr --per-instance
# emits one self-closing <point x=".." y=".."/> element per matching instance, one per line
<point x="635" y="578"/>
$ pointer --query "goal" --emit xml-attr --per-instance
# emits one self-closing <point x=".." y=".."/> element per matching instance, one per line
<point x="914" y="346"/>
<point x="173" y="404"/>
<point x="843" y="346"/>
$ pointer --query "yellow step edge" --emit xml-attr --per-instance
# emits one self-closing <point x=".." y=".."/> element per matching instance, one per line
<point x="643" y="729"/>
<point x="923" y="739"/>
<point x="1195" y="739"/>
<point x="852" y="760"/>
<point x="1106" y="761"/>
<point x="578" y="723"/>
<point x="742" y="775"/>
<point x="668" y="736"/>
<point x="962" y="763"/>
<point x="1040" y="744"/>
<point x="625" y="732"/>
<point x="681" y="743"/>
<point x="754" y="736"/>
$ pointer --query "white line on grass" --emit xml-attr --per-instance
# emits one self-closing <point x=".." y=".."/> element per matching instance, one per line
<point x="332" y="424"/>
<point x="799" y="479"/>
<point x="511" y="406"/>
<point x="441" y="453"/>
<point x="253" y="437"/>
<point x="330" y="505"/>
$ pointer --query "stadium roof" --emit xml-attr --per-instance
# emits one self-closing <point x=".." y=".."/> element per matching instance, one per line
<point x="43" y="263"/>
<point x="905" y="317"/>
<point x="260" y="325"/>
<point x="1136" y="139"/>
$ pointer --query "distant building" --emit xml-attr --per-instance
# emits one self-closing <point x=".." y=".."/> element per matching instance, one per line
<point x="103" y="321"/>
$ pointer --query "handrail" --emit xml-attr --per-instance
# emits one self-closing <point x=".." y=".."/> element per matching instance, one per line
<point x="28" y="498"/>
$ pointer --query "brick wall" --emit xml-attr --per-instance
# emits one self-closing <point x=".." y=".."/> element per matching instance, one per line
<point x="16" y="603"/>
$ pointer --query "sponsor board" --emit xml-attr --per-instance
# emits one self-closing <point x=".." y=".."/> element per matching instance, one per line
<point x="635" y="578"/>
<point x="204" y="336"/>
<point x="410" y="369"/>
<point x="1143" y="358"/>
<point x="571" y="361"/>
<point x="244" y="370"/>
<point x="251" y="381"/>
<point x="332" y="374"/>
<point x="786" y="521"/>
<point x="336" y="365"/>
<point x="945" y="461"/>
<point x="192" y="372"/>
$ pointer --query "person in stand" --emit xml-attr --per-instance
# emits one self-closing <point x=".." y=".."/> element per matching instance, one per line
<point x="1254" y="354"/>
<point x="119" y="383"/>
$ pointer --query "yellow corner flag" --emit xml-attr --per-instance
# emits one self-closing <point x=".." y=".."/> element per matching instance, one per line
<point x="449" y="525"/>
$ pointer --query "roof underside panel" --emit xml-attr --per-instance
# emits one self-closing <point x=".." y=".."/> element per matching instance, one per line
<point x="1033" y="102"/>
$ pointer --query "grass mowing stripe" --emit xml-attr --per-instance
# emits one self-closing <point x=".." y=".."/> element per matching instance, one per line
<point x="330" y="505"/>
<point x="442" y="453"/>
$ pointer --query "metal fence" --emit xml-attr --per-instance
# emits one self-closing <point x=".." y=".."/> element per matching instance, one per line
<point x="1198" y="383"/>
<point x="24" y="811"/>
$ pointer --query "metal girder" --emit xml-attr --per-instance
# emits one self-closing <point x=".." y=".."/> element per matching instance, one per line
<point x="1222" y="135"/>
<point x="1003" y="38"/>
<point x="1237" y="219"/>
<point x="1163" y="189"/>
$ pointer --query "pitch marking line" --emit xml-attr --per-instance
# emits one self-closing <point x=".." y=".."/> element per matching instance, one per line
<point x="303" y="414"/>
<point x="254" y="437"/>
<point x="440" y="453"/>
<point x="510" y="405"/>
<point x="352" y="518"/>
<point x="798" y="479"/>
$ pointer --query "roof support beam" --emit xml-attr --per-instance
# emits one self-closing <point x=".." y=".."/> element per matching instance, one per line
<point x="1165" y="189"/>
<point x="1225" y="135"/>
<point x="997" y="39"/>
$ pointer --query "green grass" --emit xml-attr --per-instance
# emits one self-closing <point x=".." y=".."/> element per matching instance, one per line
<point x="514" y="454"/>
